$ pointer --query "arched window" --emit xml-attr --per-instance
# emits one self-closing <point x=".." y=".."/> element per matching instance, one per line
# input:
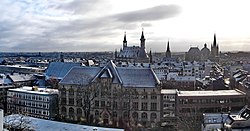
<point x="79" y="112"/>
<point x="79" y="102"/>
<point x="125" y="114"/>
<point x="153" y="116"/>
<point x="64" y="110"/>
<point x="97" y="113"/>
<point x="135" y="115"/>
<point x="144" y="115"/>
<point x="71" y="112"/>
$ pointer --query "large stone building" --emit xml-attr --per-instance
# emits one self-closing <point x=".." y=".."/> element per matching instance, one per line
<point x="195" y="54"/>
<point x="135" y="54"/>
<point x="112" y="94"/>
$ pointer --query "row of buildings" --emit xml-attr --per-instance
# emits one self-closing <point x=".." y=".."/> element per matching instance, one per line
<point x="171" y="94"/>
<point x="138" y="54"/>
<point x="116" y="95"/>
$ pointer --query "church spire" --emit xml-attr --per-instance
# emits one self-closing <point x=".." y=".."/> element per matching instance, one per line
<point x="214" y="44"/>
<point x="124" y="40"/>
<point x="142" y="40"/>
<point x="168" y="52"/>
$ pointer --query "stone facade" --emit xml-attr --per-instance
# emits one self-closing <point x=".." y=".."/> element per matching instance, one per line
<point x="111" y="99"/>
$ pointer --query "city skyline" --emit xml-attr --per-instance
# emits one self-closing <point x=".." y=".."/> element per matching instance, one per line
<point x="99" y="25"/>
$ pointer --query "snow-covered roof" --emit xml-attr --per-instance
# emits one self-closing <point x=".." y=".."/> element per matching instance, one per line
<point x="80" y="75"/>
<point x="169" y="91"/>
<point x="27" y="89"/>
<point x="127" y="76"/>
<point x="212" y="93"/>
<point x="20" y="77"/>
<point x="48" y="125"/>
<point x="59" y="69"/>
<point x="138" y="77"/>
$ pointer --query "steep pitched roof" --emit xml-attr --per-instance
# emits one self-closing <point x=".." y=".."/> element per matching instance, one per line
<point x="128" y="77"/>
<point x="138" y="77"/>
<point x="80" y="75"/>
<point x="112" y="72"/>
<point x="59" y="69"/>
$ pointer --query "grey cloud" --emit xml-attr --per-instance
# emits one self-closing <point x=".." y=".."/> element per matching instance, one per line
<point x="149" y="14"/>
<point x="36" y="32"/>
<point x="79" y="6"/>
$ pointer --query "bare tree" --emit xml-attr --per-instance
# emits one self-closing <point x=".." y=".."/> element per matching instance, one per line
<point x="190" y="121"/>
<point x="89" y="95"/>
<point x="18" y="122"/>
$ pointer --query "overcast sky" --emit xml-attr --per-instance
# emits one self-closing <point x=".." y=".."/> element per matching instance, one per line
<point x="99" y="25"/>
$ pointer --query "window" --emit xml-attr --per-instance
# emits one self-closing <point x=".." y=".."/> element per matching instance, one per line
<point x="108" y="104"/>
<point x="71" y="101"/>
<point x="97" y="113"/>
<point x="125" y="105"/>
<point x="96" y="104"/>
<point x="63" y="110"/>
<point x="79" y="102"/>
<point x="144" y="115"/>
<point x="135" y="105"/>
<point x="71" y="112"/>
<point x="63" y="101"/>
<point x="144" y="106"/>
<point x="125" y="114"/>
<point x="153" y="106"/>
<point x="153" y="116"/>
<point x="153" y="96"/>
<point x="79" y="112"/>
<point x="144" y="96"/>
<point x="135" y="115"/>
<point x="102" y="103"/>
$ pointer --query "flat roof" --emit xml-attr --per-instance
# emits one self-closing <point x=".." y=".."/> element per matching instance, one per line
<point x="169" y="91"/>
<point x="211" y="93"/>
<point x="27" y="89"/>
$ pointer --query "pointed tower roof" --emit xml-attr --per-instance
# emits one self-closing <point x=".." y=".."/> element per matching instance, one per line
<point x="214" y="43"/>
<point x="168" y="52"/>
<point x="125" y="40"/>
<point x="168" y="47"/>
<point x="142" y="35"/>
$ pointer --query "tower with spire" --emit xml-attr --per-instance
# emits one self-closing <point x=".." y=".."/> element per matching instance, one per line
<point x="142" y="40"/>
<point x="133" y="53"/>
<point x="168" y="52"/>
<point x="125" y="40"/>
<point x="214" y="48"/>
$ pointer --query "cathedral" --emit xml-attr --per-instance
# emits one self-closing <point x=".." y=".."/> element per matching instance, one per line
<point x="136" y="54"/>
<point x="195" y="54"/>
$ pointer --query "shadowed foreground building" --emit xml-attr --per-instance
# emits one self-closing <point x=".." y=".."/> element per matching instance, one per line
<point x="112" y="94"/>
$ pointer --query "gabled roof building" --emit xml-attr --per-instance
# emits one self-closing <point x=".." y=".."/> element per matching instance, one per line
<point x="130" y="95"/>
